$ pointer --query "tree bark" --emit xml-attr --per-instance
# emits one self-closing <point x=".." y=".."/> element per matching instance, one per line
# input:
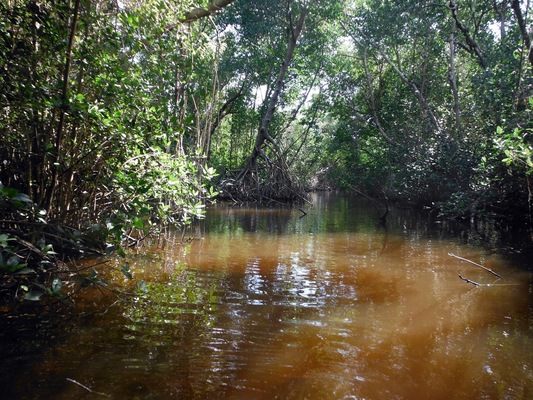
<point x="263" y="135"/>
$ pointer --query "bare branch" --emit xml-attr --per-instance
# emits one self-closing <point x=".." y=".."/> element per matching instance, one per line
<point x="476" y="264"/>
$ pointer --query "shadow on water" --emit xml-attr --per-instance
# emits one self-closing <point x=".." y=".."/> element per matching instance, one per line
<point x="267" y="304"/>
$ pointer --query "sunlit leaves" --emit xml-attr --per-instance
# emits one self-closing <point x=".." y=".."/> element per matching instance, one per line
<point x="517" y="148"/>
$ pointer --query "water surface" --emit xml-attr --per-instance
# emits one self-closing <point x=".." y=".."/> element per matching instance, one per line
<point x="266" y="303"/>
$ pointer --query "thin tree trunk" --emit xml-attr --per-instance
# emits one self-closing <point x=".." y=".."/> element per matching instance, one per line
<point x="371" y="97"/>
<point x="222" y="112"/>
<point x="372" y="101"/>
<point x="263" y="135"/>
<point x="523" y="30"/>
<point x="64" y="100"/>
<point x="453" y="81"/>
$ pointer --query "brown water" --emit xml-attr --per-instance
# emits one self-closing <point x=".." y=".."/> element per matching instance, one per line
<point x="267" y="304"/>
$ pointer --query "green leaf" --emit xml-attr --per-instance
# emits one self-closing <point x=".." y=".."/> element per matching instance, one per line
<point x="138" y="223"/>
<point x="34" y="295"/>
<point x="48" y="249"/>
<point x="13" y="262"/>
<point x="10" y="192"/>
<point x="126" y="271"/>
<point x="56" y="286"/>
<point x="4" y="239"/>
<point x="25" y="271"/>
<point x="23" y="198"/>
<point x="121" y="252"/>
<point x="102" y="282"/>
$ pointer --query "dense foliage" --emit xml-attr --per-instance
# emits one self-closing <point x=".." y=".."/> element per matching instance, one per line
<point x="431" y="94"/>
<point x="93" y="107"/>
<point x="115" y="115"/>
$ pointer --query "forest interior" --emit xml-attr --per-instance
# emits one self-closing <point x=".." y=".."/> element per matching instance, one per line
<point x="119" y="119"/>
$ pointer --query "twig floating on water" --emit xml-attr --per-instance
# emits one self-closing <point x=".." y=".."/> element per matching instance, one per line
<point x="88" y="389"/>
<point x="476" y="264"/>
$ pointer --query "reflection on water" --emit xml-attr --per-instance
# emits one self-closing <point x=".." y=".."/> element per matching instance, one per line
<point x="268" y="304"/>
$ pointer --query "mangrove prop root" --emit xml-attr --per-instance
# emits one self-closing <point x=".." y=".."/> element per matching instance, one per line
<point x="476" y="264"/>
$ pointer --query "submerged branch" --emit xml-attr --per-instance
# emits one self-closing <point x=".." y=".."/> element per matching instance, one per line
<point x="476" y="264"/>
<point x="469" y="281"/>
<point x="88" y="389"/>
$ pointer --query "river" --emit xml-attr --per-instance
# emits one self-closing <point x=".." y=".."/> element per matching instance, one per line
<point x="269" y="303"/>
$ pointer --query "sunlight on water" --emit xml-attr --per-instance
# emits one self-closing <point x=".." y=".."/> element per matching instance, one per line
<point x="267" y="304"/>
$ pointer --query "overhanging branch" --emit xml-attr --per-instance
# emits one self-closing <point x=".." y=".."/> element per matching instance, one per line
<point x="212" y="8"/>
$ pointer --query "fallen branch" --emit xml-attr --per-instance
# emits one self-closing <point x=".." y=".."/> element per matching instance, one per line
<point x="469" y="281"/>
<point x="476" y="264"/>
<point x="88" y="389"/>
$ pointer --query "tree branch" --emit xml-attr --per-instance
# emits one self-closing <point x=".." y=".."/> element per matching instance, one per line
<point x="198" y="13"/>
<point x="412" y="85"/>
<point x="476" y="264"/>
<point x="472" y="45"/>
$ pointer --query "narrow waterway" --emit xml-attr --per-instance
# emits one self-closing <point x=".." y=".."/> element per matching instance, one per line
<point x="269" y="303"/>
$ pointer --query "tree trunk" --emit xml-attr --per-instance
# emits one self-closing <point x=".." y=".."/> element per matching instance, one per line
<point x="263" y="135"/>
